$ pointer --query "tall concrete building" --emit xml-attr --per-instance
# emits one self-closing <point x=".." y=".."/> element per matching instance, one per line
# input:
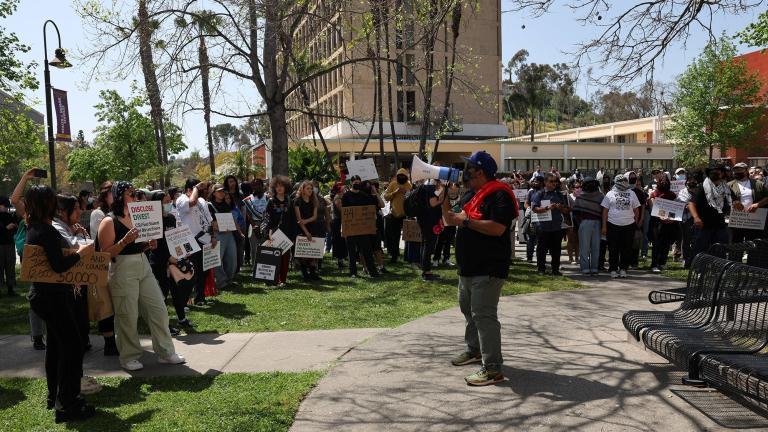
<point x="344" y="99"/>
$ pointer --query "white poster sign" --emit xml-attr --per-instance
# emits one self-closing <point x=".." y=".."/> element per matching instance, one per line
<point x="181" y="242"/>
<point x="520" y="194"/>
<point x="147" y="217"/>
<point x="226" y="222"/>
<point x="542" y="217"/>
<point x="265" y="271"/>
<point x="748" y="220"/>
<point x="676" y="185"/>
<point x="664" y="208"/>
<point x="211" y="256"/>
<point x="279" y="240"/>
<point x="365" y="168"/>
<point x="310" y="249"/>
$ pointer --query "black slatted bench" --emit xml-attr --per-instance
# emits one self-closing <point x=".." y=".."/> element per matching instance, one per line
<point x="745" y="374"/>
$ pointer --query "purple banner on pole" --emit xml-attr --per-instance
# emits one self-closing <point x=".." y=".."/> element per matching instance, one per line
<point x="63" y="132"/>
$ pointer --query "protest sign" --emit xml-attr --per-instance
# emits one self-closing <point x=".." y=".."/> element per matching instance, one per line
<point x="411" y="231"/>
<point x="676" y="185"/>
<point x="746" y="220"/>
<point x="226" y="222"/>
<point x="520" y="194"/>
<point x="365" y="168"/>
<point x="267" y="265"/>
<point x="358" y="220"/>
<point x="147" y="217"/>
<point x="542" y="217"/>
<point x="664" y="208"/>
<point x="309" y="249"/>
<point x="211" y="256"/>
<point x="91" y="270"/>
<point x="280" y="241"/>
<point x="181" y="242"/>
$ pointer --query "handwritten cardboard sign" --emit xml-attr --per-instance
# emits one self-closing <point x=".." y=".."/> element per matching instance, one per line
<point x="211" y="256"/>
<point x="745" y="220"/>
<point x="664" y="208"/>
<point x="147" y="217"/>
<point x="181" y="242"/>
<point x="411" y="231"/>
<point x="92" y="270"/>
<point x="358" y="220"/>
<point x="309" y="249"/>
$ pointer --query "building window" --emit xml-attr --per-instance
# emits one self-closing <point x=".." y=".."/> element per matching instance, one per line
<point x="410" y="63"/>
<point x="410" y="105"/>
<point x="400" y="109"/>
<point x="399" y="74"/>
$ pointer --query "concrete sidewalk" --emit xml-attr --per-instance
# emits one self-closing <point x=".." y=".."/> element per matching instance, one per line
<point x="206" y="353"/>
<point x="568" y="365"/>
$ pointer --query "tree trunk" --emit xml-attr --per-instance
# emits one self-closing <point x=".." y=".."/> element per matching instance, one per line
<point x="429" y="48"/>
<point x="150" y="82"/>
<point x="204" y="77"/>
<point x="271" y="92"/>
<point x="279" y="139"/>
<point x="455" y="28"/>
<point x="385" y="19"/>
<point x="380" y="104"/>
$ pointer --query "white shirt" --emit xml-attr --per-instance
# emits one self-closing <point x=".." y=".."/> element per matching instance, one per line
<point x="621" y="207"/>
<point x="96" y="217"/>
<point x="197" y="217"/>
<point x="745" y="189"/>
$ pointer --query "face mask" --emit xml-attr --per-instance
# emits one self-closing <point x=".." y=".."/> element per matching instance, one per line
<point x="167" y="208"/>
<point x="401" y="180"/>
<point x="315" y="190"/>
<point x="680" y="176"/>
<point x="90" y="200"/>
<point x="356" y="186"/>
<point x="739" y="176"/>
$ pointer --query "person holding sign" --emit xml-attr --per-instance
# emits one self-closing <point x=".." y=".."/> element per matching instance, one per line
<point x="133" y="285"/>
<point x="747" y="195"/>
<point x="588" y="212"/>
<point x="550" y="232"/>
<point x="708" y="207"/>
<point x="621" y="212"/>
<point x="278" y="216"/>
<point x="393" y="222"/>
<point x="218" y="207"/>
<point x="664" y="230"/>
<point x="359" y="244"/>
<point x="54" y="303"/>
<point x="305" y="207"/>
<point x="193" y="212"/>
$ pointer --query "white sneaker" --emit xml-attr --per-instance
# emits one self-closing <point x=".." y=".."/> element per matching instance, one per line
<point x="89" y="386"/>
<point x="186" y="309"/>
<point x="435" y="263"/>
<point x="656" y="270"/>
<point x="173" y="359"/>
<point x="133" y="365"/>
<point x="623" y="274"/>
<point x="614" y="275"/>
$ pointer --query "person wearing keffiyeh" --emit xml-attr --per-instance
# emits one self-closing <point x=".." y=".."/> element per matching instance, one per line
<point x="708" y="207"/>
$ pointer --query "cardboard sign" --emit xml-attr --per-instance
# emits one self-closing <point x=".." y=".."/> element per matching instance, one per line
<point x="520" y="194"/>
<point x="739" y="219"/>
<point x="226" y="222"/>
<point x="365" y="168"/>
<point x="181" y="242"/>
<point x="280" y="241"/>
<point x="147" y="217"/>
<point x="267" y="265"/>
<point x="676" y="185"/>
<point x="309" y="249"/>
<point x="411" y="231"/>
<point x="358" y="220"/>
<point x="664" y="208"/>
<point x="92" y="270"/>
<point x="542" y="217"/>
<point x="211" y="256"/>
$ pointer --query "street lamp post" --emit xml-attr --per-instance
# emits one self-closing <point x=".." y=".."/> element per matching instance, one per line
<point x="60" y="61"/>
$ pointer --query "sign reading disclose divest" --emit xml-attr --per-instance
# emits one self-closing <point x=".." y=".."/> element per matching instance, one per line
<point x="358" y="220"/>
<point x="147" y="217"/>
<point x="91" y="270"/>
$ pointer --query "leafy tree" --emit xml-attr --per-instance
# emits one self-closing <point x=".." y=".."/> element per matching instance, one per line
<point x="224" y="136"/>
<point x="715" y="105"/>
<point x="756" y="34"/>
<point x="305" y="163"/>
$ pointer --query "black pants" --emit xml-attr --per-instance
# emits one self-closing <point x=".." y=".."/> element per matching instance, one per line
<point x="548" y="243"/>
<point x="179" y="295"/>
<point x="81" y="314"/>
<point x="664" y="237"/>
<point x="444" y="243"/>
<point x="393" y="228"/>
<point x="603" y="251"/>
<point x="361" y="245"/>
<point x="428" y="242"/>
<point x="8" y="266"/>
<point x="64" y="352"/>
<point x="197" y="262"/>
<point x="620" y="246"/>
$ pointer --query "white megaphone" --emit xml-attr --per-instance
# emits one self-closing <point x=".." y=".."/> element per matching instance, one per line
<point x="421" y="170"/>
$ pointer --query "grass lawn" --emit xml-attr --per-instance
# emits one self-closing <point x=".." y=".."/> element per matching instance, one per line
<point x="231" y="402"/>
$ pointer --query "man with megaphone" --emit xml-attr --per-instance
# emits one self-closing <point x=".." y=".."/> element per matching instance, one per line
<point x="483" y="257"/>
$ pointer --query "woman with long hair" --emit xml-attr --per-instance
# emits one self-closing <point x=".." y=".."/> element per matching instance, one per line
<point x="133" y="285"/>
<point x="54" y="303"/>
<point x="306" y="207"/>
<point x="102" y="207"/>
<point x="278" y="215"/>
<point x="225" y="273"/>
<point x="234" y="191"/>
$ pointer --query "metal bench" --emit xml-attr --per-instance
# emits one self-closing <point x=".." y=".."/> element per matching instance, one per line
<point x="745" y="374"/>
<point x="739" y="324"/>
<point x="697" y="307"/>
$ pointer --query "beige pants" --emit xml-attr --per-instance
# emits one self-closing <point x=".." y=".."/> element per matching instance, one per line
<point x="135" y="291"/>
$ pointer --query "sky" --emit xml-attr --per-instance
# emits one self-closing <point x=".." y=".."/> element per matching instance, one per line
<point x="548" y="39"/>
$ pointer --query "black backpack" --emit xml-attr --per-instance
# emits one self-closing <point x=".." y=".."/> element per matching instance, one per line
<point x="414" y="203"/>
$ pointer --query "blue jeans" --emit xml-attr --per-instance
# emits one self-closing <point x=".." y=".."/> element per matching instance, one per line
<point x="589" y="245"/>
<point x="228" y="253"/>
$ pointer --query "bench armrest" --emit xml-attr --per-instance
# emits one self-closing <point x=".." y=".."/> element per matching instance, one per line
<point x="667" y="296"/>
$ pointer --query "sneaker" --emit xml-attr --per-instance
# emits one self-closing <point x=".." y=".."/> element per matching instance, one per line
<point x="623" y="274"/>
<point x="186" y="309"/>
<point x="556" y="273"/>
<point x="484" y="377"/>
<point x="466" y="358"/>
<point x="614" y="275"/>
<point x="173" y="359"/>
<point x="89" y="385"/>
<point x="448" y="263"/>
<point x="185" y="323"/>
<point x="655" y="270"/>
<point x="133" y="365"/>
<point x="80" y="412"/>
<point x="38" y="344"/>
<point x="435" y="263"/>
<point x="174" y="331"/>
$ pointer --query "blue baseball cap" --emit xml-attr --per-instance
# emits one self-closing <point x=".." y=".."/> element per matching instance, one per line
<point x="481" y="159"/>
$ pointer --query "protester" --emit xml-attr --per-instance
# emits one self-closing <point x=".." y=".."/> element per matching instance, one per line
<point x="430" y="225"/>
<point x="133" y="285"/>
<point x="621" y="212"/>
<point x="686" y="227"/>
<point x="8" y="225"/>
<point x="483" y="257"/>
<point x="748" y="195"/>
<point x="636" y="185"/>
<point x="572" y="190"/>
<point x="306" y="207"/>
<point x="225" y="273"/>
<point x="448" y="234"/>
<point x="549" y="232"/>
<point x="339" y="243"/>
<point x="102" y="207"/>
<point x="537" y="184"/>
<point x="54" y="303"/>
<point x="193" y="212"/>
<point x="664" y="229"/>
<point x="278" y="216"/>
<point x="232" y="187"/>
<point x="708" y="207"/>
<point x="393" y="224"/>
<point x="588" y="212"/>
<point x="255" y="205"/>
<point x="359" y="244"/>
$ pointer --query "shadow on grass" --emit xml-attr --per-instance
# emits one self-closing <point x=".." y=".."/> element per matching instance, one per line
<point x="11" y="397"/>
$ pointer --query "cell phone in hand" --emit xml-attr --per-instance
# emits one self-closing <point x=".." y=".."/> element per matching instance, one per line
<point x="40" y="173"/>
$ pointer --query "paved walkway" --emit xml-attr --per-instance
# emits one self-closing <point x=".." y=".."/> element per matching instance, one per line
<point x="568" y="365"/>
<point x="206" y="353"/>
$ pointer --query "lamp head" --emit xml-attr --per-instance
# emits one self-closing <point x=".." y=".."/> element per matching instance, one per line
<point x="60" y="59"/>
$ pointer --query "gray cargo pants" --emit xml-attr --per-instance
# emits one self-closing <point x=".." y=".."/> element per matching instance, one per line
<point x="479" y="302"/>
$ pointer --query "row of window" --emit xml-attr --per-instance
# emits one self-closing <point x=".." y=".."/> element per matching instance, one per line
<point x="529" y="165"/>
<point x="326" y="114"/>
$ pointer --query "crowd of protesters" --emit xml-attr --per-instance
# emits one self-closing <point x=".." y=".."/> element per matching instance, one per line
<point x="605" y="221"/>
